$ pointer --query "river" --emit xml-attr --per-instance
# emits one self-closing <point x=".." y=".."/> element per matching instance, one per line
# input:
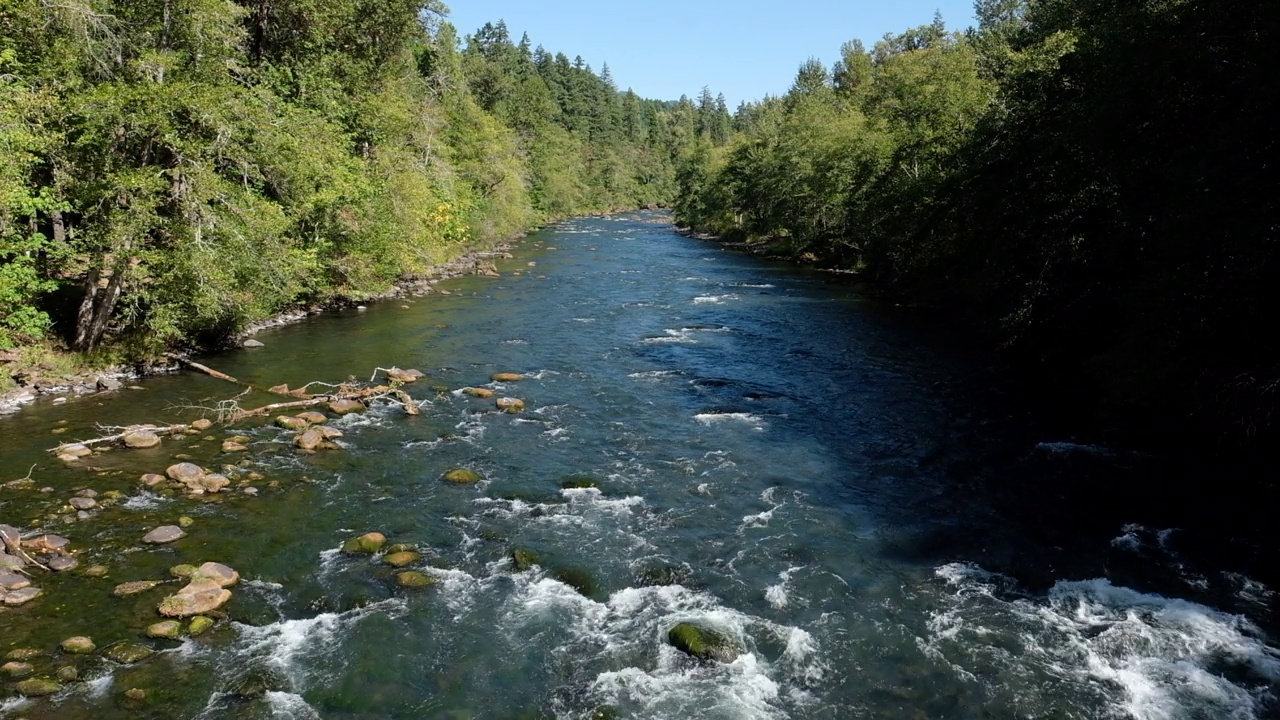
<point x="847" y="491"/>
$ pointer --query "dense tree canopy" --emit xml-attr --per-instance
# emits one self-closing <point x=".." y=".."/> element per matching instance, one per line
<point x="1095" y="181"/>
<point x="174" y="169"/>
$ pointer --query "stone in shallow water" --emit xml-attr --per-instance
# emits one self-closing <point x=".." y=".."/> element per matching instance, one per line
<point x="199" y="625"/>
<point x="168" y="629"/>
<point x="346" y="407"/>
<point x="62" y="563"/>
<point x="308" y="440"/>
<point x="401" y="559"/>
<point x="16" y="669"/>
<point x="164" y="534"/>
<point x="234" y="447"/>
<point x="12" y="580"/>
<point x="482" y="393"/>
<point x="97" y="571"/>
<point x="415" y="579"/>
<point x="83" y="503"/>
<point x="38" y="687"/>
<point x="217" y="572"/>
<point x="197" y="598"/>
<point x="134" y="588"/>
<point x="367" y="544"/>
<point x="68" y="674"/>
<point x="151" y="479"/>
<point x="78" y="645"/>
<point x="292" y="423"/>
<point x="403" y="376"/>
<point x="202" y="424"/>
<point x="463" y="476"/>
<point x="47" y="542"/>
<point x="128" y="653"/>
<point x="185" y="472"/>
<point x="14" y="598"/>
<point x="702" y="643"/>
<point x="141" y="439"/>
<point x="524" y="559"/>
<point x="506" y="377"/>
<point x="214" y="483"/>
<point x="510" y="405"/>
<point x="182" y="571"/>
<point x="313" y="417"/>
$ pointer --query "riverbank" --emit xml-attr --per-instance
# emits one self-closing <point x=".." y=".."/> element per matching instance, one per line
<point x="48" y="372"/>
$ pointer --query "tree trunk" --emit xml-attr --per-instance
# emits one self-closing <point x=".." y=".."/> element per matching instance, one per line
<point x="98" y="304"/>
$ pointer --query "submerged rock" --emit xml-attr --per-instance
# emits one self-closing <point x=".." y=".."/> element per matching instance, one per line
<point x="182" y="571"/>
<point x="366" y="544"/>
<point x="229" y="446"/>
<point x="38" y="687"/>
<point x="705" y="644"/>
<point x="15" y="598"/>
<point x="313" y="417"/>
<point x="135" y="588"/>
<point x="578" y="579"/>
<point x="414" y="579"/>
<point x="402" y="559"/>
<point x="579" y="482"/>
<point x="141" y="439"/>
<point x="524" y="559"/>
<point x="482" y="393"/>
<point x="23" y="654"/>
<point x="128" y="653"/>
<point x="510" y="405"/>
<point x="167" y="629"/>
<point x="199" y="625"/>
<point x="346" y="406"/>
<point x="197" y="598"/>
<point x="463" y="476"/>
<point x="67" y="674"/>
<point x="79" y="645"/>
<point x="16" y="669"/>
<point x="164" y="534"/>
<point x="506" y="377"/>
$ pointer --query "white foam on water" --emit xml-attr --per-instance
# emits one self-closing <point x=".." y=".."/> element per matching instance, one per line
<point x="515" y="342"/>
<point x="584" y="320"/>
<point x="709" y="419"/>
<point x="714" y="299"/>
<point x="99" y="686"/>
<point x="1250" y="590"/>
<point x="1151" y="657"/>
<point x="145" y="500"/>
<point x="1070" y="448"/>
<point x="9" y="705"/>
<point x="288" y="706"/>
<point x="755" y="285"/>
<point x="654" y="374"/>
<point x="776" y="595"/>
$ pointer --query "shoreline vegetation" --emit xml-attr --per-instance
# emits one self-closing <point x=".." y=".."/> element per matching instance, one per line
<point x="1089" y="185"/>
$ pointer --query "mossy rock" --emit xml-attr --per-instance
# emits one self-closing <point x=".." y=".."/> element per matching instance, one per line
<point x="578" y="579"/>
<point x="182" y="571"/>
<point x="23" y="654"/>
<point x="579" y="482"/>
<point x="414" y="579"/>
<point x="401" y="559"/>
<point x="128" y="653"/>
<point x="401" y="547"/>
<point x="15" y="669"/>
<point x="67" y="674"/>
<point x="367" y="544"/>
<point x="524" y="559"/>
<point x="78" y="645"/>
<point x="186" y="522"/>
<point x="38" y="687"/>
<point x="135" y="588"/>
<point x="292" y="423"/>
<point x="134" y="699"/>
<point x="199" y="625"/>
<point x="463" y="476"/>
<point x="167" y="629"/>
<point x="702" y="643"/>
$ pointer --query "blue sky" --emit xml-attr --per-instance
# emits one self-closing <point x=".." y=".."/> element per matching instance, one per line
<point x="665" y="48"/>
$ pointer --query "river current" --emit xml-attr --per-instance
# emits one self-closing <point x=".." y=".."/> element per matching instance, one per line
<point x="861" y="503"/>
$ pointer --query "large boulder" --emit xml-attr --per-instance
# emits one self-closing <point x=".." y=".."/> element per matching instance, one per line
<point x="346" y="406"/>
<point x="140" y="439"/>
<point x="185" y="472"/>
<point x="366" y="544"/>
<point x="197" y="598"/>
<point x="38" y="687"/>
<point x="703" y="643"/>
<point x="128" y="653"/>
<point x="164" y="534"/>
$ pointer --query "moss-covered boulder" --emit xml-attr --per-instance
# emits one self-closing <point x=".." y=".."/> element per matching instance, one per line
<point x="185" y="472"/>
<point x="199" y="625"/>
<point x="15" y="669"/>
<point x="510" y="405"/>
<point x="135" y="588"/>
<point x="523" y="559"/>
<point x="292" y="423"/>
<point x="78" y="645"/>
<point x="23" y="654"/>
<point x="401" y="559"/>
<point x="578" y="579"/>
<point x="482" y="393"/>
<point x="414" y="579"/>
<point x="346" y="407"/>
<point x="221" y="574"/>
<point x="38" y="687"/>
<point x="703" y="643"/>
<point x="182" y="571"/>
<point x="463" y="476"/>
<point x="312" y="417"/>
<point x="167" y="629"/>
<point x="579" y="482"/>
<point x="367" y="544"/>
<point x="67" y="674"/>
<point x="128" y="653"/>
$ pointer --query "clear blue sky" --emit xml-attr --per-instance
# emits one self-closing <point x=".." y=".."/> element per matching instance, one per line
<point x="743" y="48"/>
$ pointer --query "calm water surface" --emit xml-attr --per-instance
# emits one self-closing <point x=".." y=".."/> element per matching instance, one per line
<point x="855" y="499"/>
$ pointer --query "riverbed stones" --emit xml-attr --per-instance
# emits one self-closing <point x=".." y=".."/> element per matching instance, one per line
<point x="10" y="580"/>
<point x="523" y="559"/>
<point x="135" y="588"/>
<point x="200" y="624"/>
<point x="216" y="572"/>
<point x="251" y="344"/>
<point x="309" y="440"/>
<point x="313" y="417"/>
<point x="140" y="439"/>
<point x="414" y="579"/>
<point x="404" y="376"/>
<point x="165" y="629"/>
<point x="199" y="597"/>
<point x="79" y="645"/>
<point x="463" y="476"/>
<point x="182" y="571"/>
<point x="151" y="480"/>
<point x="15" y="669"/>
<point x="47" y="543"/>
<point x="38" y="687"/>
<point x="703" y="643"/>
<point x="510" y="405"/>
<point x="62" y="563"/>
<point x="367" y="544"/>
<point x="292" y="423"/>
<point x="17" y="598"/>
<point x="329" y="433"/>
<point x="67" y="674"/>
<point x="97" y="571"/>
<point x="164" y="534"/>
<point x="214" y="483"/>
<point x="401" y="559"/>
<point x="202" y="424"/>
<point x="83" y="503"/>
<point x="506" y="377"/>
<point x="230" y="446"/>
<point x="128" y="653"/>
<point x="346" y="406"/>
<point x="482" y="393"/>
<point x="76" y="451"/>
<point x="185" y="473"/>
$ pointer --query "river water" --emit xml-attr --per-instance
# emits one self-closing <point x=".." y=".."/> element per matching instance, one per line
<point x="848" y="493"/>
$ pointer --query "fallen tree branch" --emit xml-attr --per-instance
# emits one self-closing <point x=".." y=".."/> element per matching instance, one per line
<point x="15" y="548"/>
<point x="202" y="368"/>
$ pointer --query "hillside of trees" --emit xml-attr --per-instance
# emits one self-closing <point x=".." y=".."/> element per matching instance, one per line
<point x="1093" y="182"/>
<point x="172" y="170"/>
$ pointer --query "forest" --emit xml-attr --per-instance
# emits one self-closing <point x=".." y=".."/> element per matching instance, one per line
<point x="173" y="170"/>
<point x="1093" y="184"/>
